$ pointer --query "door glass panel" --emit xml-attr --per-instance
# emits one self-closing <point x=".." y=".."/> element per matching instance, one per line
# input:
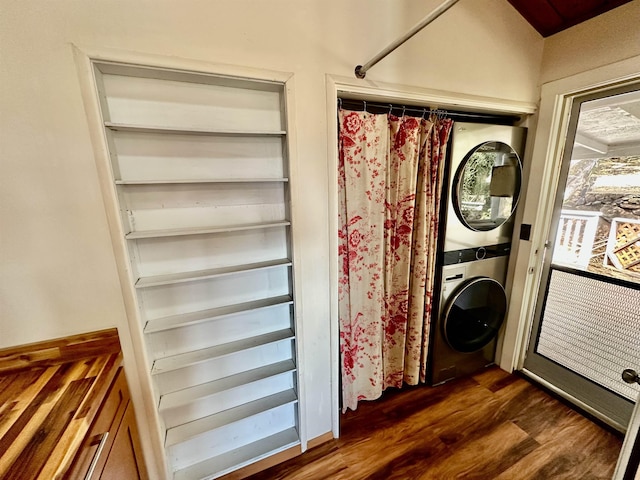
<point x="599" y="225"/>
<point x="487" y="185"/>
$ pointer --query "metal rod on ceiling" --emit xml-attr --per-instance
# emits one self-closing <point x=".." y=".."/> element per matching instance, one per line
<point x="361" y="70"/>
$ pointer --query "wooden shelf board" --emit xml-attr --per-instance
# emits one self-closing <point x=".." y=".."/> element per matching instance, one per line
<point x="176" y="232"/>
<point x="172" y="278"/>
<point x="204" y="180"/>
<point x="175" y="362"/>
<point x="124" y="127"/>
<point x="189" y="430"/>
<point x="216" y="466"/>
<point x="193" y="318"/>
<point x="199" y="392"/>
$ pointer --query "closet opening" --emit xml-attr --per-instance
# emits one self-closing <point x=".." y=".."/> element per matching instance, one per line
<point x="394" y="189"/>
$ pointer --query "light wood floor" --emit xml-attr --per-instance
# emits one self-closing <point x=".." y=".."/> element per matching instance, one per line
<point x="489" y="426"/>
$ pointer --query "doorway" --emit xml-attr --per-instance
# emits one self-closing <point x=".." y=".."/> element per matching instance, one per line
<point x="586" y="317"/>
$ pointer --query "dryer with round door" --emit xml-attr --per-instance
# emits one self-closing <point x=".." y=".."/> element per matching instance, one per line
<point x="484" y="178"/>
<point x="472" y="309"/>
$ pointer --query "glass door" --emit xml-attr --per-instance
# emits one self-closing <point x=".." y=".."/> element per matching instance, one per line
<point x="587" y="322"/>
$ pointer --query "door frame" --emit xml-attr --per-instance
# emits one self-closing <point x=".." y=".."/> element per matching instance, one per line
<point x="543" y="176"/>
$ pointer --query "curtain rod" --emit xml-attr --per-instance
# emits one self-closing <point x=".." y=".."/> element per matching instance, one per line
<point x="361" y="70"/>
<point x="417" y="111"/>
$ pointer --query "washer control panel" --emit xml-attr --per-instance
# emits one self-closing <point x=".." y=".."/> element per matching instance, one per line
<point x="474" y="254"/>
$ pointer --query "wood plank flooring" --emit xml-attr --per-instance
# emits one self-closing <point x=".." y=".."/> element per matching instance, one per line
<point x="489" y="426"/>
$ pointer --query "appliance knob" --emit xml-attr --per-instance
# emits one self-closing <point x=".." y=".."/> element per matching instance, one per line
<point x="481" y="253"/>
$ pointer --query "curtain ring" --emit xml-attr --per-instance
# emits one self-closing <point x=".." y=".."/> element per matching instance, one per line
<point x="390" y="108"/>
<point x="403" y="109"/>
<point x="339" y="104"/>
<point x="364" y="110"/>
<point x="424" y="112"/>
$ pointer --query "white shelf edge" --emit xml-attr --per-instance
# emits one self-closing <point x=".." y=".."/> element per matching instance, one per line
<point x="217" y="466"/>
<point x="182" y="360"/>
<point x="204" y="180"/>
<point x="172" y="278"/>
<point x="177" y="232"/>
<point x="197" y="427"/>
<point x="204" y="390"/>
<point x="125" y="127"/>
<point x="187" y="319"/>
<point x="180" y="75"/>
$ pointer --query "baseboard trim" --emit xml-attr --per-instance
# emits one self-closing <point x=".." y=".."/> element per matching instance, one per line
<point x="276" y="459"/>
<point x="261" y="465"/>
<point x="324" y="438"/>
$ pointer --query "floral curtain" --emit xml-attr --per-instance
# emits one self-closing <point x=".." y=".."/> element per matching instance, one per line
<point x="390" y="177"/>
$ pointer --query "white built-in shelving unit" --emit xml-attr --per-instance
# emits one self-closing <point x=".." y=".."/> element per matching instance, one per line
<point x="200" y="171"/>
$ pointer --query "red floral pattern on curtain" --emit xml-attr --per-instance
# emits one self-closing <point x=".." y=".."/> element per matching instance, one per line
<point x="390" y="176"/>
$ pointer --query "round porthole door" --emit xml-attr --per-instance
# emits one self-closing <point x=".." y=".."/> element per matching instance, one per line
<point x="486" y="186"/>
<point x="474" y="313"/>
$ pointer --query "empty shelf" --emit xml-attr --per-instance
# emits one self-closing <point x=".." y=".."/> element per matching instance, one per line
<point x="197" y="392"/>
<point x="188" y="430"/>
<point x="123" y="127"/>
<point x="176" y="232"/>
<point x="216" y="466"/>
<point x="204" y="180"/>
<point x="192" y="318"/>
<point x="182" y="360"/>
<point x="167" y="279"/>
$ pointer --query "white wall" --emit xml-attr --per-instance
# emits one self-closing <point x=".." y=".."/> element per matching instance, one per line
<point x="58" y="273"/>
<point x="605" y="39"/>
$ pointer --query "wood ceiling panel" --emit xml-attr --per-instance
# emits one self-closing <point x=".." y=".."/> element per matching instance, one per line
<point x="552" y="16"/>
<point x="575" y="8"/>
<point x="540" y="14"/>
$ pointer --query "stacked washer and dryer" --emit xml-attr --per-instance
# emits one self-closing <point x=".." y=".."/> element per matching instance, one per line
<point x="483" y="180"/>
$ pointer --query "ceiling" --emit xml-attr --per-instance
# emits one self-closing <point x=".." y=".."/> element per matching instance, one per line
<point x="552" y="16"/>
<point x="609" y="127"/>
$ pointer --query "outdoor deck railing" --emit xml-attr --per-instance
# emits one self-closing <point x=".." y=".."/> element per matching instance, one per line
<point x="575" y="237"/>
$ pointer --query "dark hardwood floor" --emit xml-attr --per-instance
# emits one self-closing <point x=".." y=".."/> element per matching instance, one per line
<point x="489" y="426"/>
